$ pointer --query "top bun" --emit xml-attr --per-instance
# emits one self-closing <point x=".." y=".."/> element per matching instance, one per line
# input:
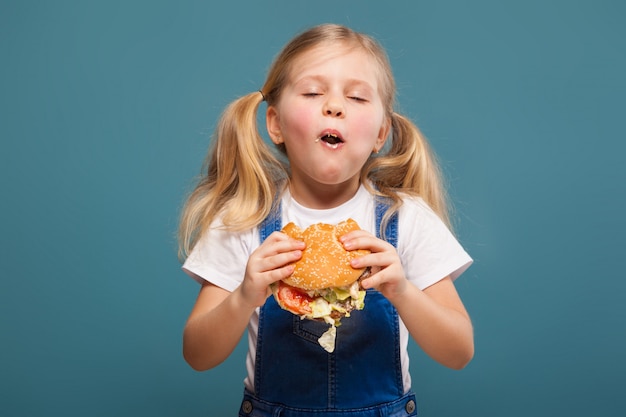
<point x="324" y="263"/>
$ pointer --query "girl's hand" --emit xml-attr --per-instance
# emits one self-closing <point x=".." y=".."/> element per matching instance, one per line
<point x="435" y="317"/>
<point x="269" y="263"/>
<point x="387" y="275"/>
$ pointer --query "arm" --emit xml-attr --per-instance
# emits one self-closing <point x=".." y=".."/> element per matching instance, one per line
<point x="438" y="322"/>
<point x="215" y="326"/>
<point x="435" y="317"/>
<point x="219" y="318"/>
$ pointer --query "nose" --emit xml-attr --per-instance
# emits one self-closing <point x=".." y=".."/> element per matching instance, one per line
<point x="334" y="107"/>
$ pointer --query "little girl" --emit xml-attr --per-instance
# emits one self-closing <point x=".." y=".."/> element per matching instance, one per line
<point x="343" y="152"/>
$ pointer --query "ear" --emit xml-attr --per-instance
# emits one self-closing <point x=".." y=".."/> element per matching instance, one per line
<point x="272" y="121"/>
<point x="382" y="135"/>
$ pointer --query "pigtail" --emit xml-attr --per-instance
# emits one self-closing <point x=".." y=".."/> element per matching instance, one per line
<point x="241" y="177"/>
<point x="245" y="169"/>
<point x="409" y="166"/>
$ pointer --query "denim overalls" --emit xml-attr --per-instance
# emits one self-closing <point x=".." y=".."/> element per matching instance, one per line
<point x="296" y="377"/>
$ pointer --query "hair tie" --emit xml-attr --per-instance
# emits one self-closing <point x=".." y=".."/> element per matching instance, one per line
<point x="262" y="95"/>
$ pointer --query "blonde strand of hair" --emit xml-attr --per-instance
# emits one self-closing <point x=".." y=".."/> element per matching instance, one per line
<point x="241" y="177"/>
<point x="409" y="167"/>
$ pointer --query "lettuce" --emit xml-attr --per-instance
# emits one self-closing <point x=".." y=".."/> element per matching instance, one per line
<point x="320" y="308"/>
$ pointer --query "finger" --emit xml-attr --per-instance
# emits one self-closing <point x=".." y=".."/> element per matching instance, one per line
<point x="279" y="260"/>
<point x="380" y="277"/>
<point x="356" y="241"/>
<point x="374" y="259"/>
<point x="279" y="242"/>
<point x="281" y="273"/>
<point x="274" y="255"/>
<point x="355" y="234"/>
<point x="368" y="283"/>
<point x="374" y="280"/>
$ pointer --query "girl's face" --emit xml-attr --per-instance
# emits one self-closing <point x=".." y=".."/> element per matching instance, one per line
<point x="330" y="118"/>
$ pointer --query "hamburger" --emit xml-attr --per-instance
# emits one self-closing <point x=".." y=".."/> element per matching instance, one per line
<point x="323" y="285"/>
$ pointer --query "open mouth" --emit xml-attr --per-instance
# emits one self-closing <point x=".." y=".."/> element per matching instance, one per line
<point x="331" y="140"/>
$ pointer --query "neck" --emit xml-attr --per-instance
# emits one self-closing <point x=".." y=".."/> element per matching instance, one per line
<point x="323" y="196"/>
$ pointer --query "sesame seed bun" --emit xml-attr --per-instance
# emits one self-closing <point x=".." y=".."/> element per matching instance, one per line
<point x="324" y="263"/>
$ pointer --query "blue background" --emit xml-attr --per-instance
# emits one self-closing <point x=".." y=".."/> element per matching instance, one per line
<point x="106" y="111"/>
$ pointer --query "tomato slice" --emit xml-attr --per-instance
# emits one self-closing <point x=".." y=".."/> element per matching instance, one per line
<point x="293" y="299"/>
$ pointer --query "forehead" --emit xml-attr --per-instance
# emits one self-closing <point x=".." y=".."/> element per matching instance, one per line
<point x="332" y="58"/>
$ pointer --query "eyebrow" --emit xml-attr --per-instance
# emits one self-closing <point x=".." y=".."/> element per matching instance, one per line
<point x="321" y="78"/>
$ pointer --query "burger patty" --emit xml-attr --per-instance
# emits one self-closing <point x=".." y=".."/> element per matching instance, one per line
<point x="330" y="304"/>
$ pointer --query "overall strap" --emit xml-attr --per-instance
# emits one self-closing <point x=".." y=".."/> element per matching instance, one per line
<point x="391" y="229"/>
<point x="272" y="223"/>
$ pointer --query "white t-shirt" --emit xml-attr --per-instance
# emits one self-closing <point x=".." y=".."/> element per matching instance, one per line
<point x="427" y="249"/>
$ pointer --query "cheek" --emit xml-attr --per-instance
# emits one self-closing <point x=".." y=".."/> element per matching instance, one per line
<point x="296" y="121"/>
<point x="368" y="126"/>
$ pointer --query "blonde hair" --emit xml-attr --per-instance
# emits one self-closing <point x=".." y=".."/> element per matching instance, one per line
<point x="243" y="175"/>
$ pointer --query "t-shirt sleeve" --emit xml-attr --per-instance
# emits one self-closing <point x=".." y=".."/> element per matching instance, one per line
<point x="428" y="249"/>
<point x="220" y="257"/>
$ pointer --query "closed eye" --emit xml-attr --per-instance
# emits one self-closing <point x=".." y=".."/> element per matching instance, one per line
<point x="356" y="98"/>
